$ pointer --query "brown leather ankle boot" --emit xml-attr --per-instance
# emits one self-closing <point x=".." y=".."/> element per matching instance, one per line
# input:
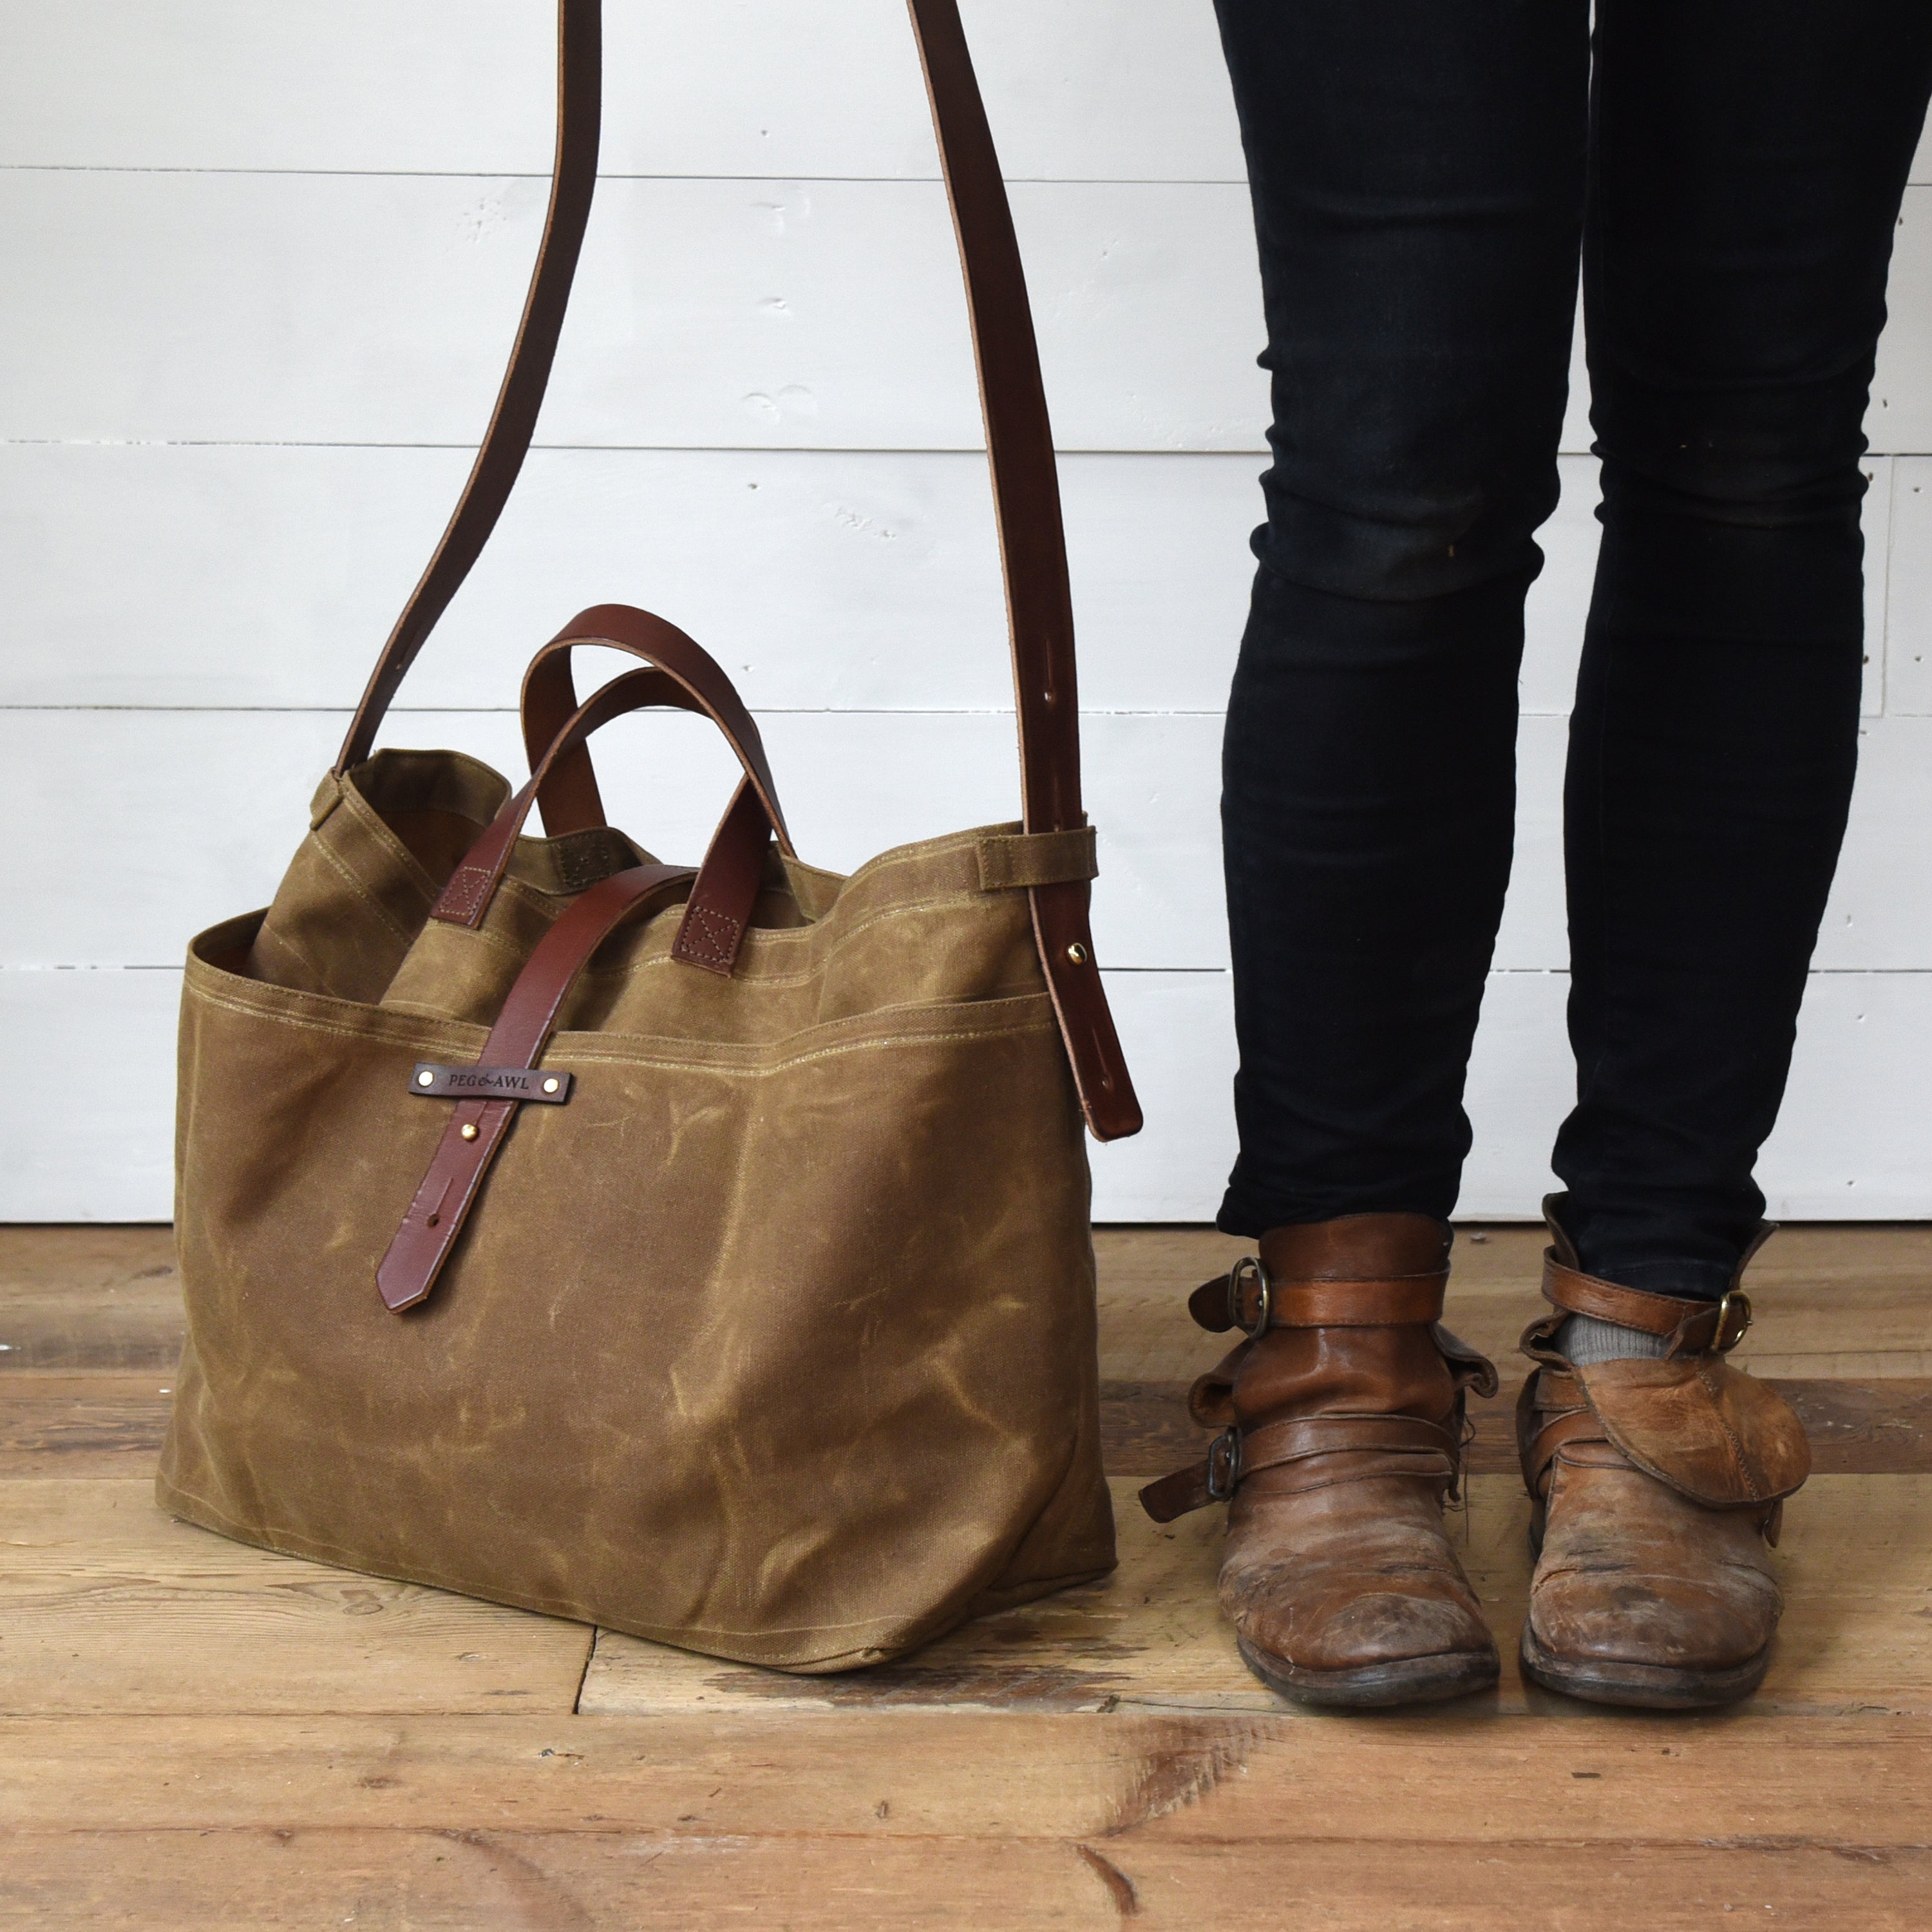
<point x="1342" y="1434"/>
<point x="1655" y="1487"/>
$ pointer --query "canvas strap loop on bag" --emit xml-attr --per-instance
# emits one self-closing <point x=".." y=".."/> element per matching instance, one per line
<point x="1026" y="859"/>
<point x="701" y="1251"/>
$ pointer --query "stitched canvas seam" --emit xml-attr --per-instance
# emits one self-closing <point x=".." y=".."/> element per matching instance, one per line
<point x="353" y="881"/>
<point x="667" y="1063"/>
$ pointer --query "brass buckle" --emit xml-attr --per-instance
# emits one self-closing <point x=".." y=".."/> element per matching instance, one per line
<point x="1224" y="1464"/>
<point x="1735" y="1301"/>
<point x="1249" y="1266"/>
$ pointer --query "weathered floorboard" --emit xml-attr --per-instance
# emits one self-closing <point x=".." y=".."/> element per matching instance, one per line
<point x="52" y="1424"/>
<point x="913" y="1775"/>
<point x="106" y="1604"/>
<point x="89" y="1298"/>
<point x="1857" y="1634"/>
<point x="1845" y="1300"/>
<point x="587" y="1881"/>
<point x="213" y="1736"/>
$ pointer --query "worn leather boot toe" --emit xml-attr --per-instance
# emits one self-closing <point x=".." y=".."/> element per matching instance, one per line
<point x="1343" y="1435"/>
<point x="1363" y="1604"/>
<point x="1657" y="1487"/>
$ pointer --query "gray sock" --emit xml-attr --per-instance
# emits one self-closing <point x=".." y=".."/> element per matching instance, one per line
<point x="1584" y="1340"/>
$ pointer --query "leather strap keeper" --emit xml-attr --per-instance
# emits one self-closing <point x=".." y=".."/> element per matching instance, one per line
<point x="1574" y="1425"/>
<point x="1694" y="1327"/>
<point x="1247" y="1299"/>
<point x="476" y="1128"/>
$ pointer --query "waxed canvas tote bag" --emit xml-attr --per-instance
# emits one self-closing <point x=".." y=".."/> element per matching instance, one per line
<point x="700" y="1251"/>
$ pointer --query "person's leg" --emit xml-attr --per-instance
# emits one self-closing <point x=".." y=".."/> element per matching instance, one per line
<point x="1748" y="158"/>
<point x="1417" y="176"/>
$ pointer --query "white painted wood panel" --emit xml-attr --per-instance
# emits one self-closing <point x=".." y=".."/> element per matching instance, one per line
<point x="1086" y="90"/>
<point x="178" y="819"/>
<point x="1092" y="90"/>
<point x="88" y="1132"/>
<point x="254" y="308"/>
<point x="227" y="575"/>
<point x="1909" y="600"/>
<point x="264" y="262"/>
<point x="267" y="576"/>
<point x="340" y="308"/>
<point x="1900" y="419"/>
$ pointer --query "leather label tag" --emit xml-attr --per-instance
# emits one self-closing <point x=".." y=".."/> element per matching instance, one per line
<point x="490" y="1083"/>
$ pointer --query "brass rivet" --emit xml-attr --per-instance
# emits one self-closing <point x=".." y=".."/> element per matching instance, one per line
<point x="425" y="1079"/>
<point x="468" y="1131"/>
<point x="1077" y="953"/>
<point x="552" y="1084"/>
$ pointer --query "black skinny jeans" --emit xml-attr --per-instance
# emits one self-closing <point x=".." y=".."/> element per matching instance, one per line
<point x="1425" y="176"/>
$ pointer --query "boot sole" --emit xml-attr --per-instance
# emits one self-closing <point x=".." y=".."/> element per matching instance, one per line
<point x="1647" y="1687"/>
<point x="1414" y="1680"/>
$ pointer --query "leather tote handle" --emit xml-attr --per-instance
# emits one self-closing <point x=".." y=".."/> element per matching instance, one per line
<point x="568" y="797"/>
<point x="726" y="885"/>
<point x="1019" y="448"/>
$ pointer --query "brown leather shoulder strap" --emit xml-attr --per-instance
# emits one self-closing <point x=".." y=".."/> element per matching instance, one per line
<point x="1032" y="553"/>
<point x="1019" y="437"/>
<point x="1019" y="432"/>
<point x="1019" y="442"/>
<point x="580" y="82"/>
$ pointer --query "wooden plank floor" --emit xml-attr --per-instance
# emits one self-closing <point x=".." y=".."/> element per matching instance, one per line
<point x="194" y="1734"/>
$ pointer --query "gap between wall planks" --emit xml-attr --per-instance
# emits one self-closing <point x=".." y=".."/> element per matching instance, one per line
<point x="195" y="1733"/>
<point x="1116" y="90"/>
<point x="821" y="316"/>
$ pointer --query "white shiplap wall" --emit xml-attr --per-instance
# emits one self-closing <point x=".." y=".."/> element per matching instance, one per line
<point x="262" y="264"/>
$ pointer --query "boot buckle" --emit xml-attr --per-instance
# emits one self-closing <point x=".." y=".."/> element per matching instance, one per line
<point x="1734" y="1321"/>
<point x="1249" y="1276"/>
<point x="1224" y="1465"/>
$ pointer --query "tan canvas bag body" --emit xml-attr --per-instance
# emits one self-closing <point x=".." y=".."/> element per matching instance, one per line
<point x="700" y="1251"/>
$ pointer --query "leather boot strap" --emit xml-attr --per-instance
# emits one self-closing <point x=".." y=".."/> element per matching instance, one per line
<point x="1247" y="1297"/>
<point x="1694" y="1327"/>
<point x="1553" y="1413"/>
<point x="1363" y="1446"/>
<point x="1376" y="1270"/>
